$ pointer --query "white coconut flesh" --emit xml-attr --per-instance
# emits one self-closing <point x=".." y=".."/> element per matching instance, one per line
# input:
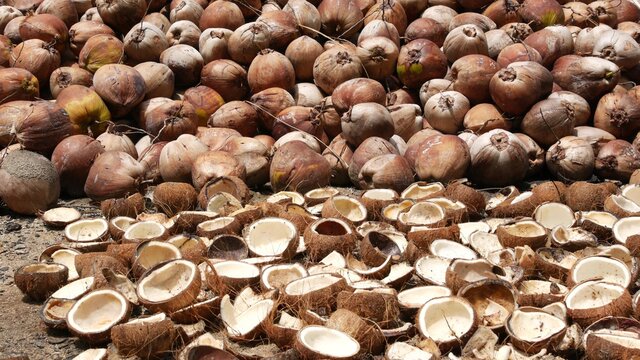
<point x="220" y="200"/>
<point x="311" y="283"/>
<point x="485" y="243"/>
<point x="626" y="227"/>
<point x="398" y="238"/>
<point x="247" y="298"/>
<point x="625" y="203"/>
<point x="290" y="322"/>
<point x="563" y="235"/>
<point x="270" y="236"/>
<point x="92" y="354"/>
<point x="236" y="269"/>
<point x="521" y="197"/>
<point x="418" y="296"/>
<point x="185" y="242"/>
<point x="624" y="338"/>
<point x="274" y="276"/>
<point x="61" y="215"/>
<point x="473" y="270"/>
<point x="98" y="311"/>
<point x="534" y="326"/>
<point x="495" y="222"/>
<point x="240" y="324"/>
<point x="364" y="270"/>
<point x="392" y="211"/>
<point x="433" y="268"/>
<point x="526" y="228"/>
<point x="398" y="271"/>
<point x="451" y="250"/>
<point x="404" y="351"/>
<point x="417" y="191"/>
<point x="603" y="268"/>
<point x="367" y="285"/>
<point x="75" y="289"/>
<point x="167" y="281"/>
<point x="149" y="319"/>
<point x="557" y="309"/>
<point x="593" y="294"/>
<point x="334" y="259"/>
<point x="321" y="193"/>
<point x="380" y="194"/>
<point x="631" y="192"/>
<point x="144" y="230"/>
<point x="551" y="215"/>
<point x="446" y="203"/>
<point x="43" y="268"/>
<point x="601" y="218"/>
<point x="350" y="208"/>
<point x="86" y="230"/>
<point x="216" y="224"/>
<point x="446" y="318"/>
<point x="155" y="252"/>
<point x="530" y="287"/>
<point x="328" y="342"/>
<point x="295" y="197"/>
<point x="423" y="213"/>
<point x="67" y="258"/>
<point x="122" y="222"/>
<point x="466" y="229"/>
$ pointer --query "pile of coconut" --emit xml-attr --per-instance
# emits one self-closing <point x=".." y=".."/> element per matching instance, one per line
<point x="433" y="272"/>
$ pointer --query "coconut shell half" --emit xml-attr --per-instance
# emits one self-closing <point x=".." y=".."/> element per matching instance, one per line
<point x="39" y="280"/>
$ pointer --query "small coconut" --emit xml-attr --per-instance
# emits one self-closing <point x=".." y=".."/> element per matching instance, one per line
<point x="455" y="211"/>
<point x="75" y="289"/>
<point x="540" y="293"/>
<point x="230" y="276"/>
<point x="248" y="214"/>
<point x="228" y="184"/>
<point x="346" y="208"/>
<point x="87" y="230"/>
<point x="148" y="337"/>
<point x="150" y="253"/>
<point x="521" y="233"/>
<point x="363" y="229"/>
<point x="451" y="250"/>
<point x="421" y="191"/>
<point x="314" y="291"/>
<point x="205" y="310"/>
<point x="205" y="342"/>
<point x="279" y="275"/>
<point x="58" y="218"/>
<point x="398" y="276"/>
<point x="93" y="354"/>
<point x="245" y="324"/>
<point x="92" y="317"/>
<point x="272" y="237"/>
<point x="169" y="286"/>
<point x="298" y="215"/>
<point x="584" y="196"/>
<point x="39" y="280"/>
<point x="89" y="264"/>
<point x="448" y="320"/>
<point x="207" y="352"/>
<point x="366" y="333"/>
<point x="493" y="300"/>
<point x="329" y="234"/>
<point x="223" y="204"/>
<point x="129" y="206"/>
<point x="285" y="197"/>
<point x="315" y="342"/>
<point x="485" y="244"/>
<point x="531" y="329"/>
<point x="173" y="197"/>
<point x="375" y="200"/>
<point x="594" y="299"/>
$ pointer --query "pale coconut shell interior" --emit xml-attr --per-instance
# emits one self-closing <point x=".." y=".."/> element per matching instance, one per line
<point x="625" y="204"/>
<point x="350" y="208"/>
<point x="86" y="230"/>
<point x="397" y="272"/>
<point x="97" y="311"/>
<point x="122" y="222"/>
<point x="239" y="324"/>
<point x="601" y="218"/>
<point x="630" y="342"/>
<point x="321" y="193"/>
<point x="145" y="230"/>
<point x="61" y="215"/>
<point x="451" y="250"/>
<point x="423" y="213"/>
<point x="402" y="350"/>
<point x="92" y="354"/>
<point x="247" y="298"/>
<point x="270" y="236"/>
<point x="593" y="294"/>
<point x="603" y="268"/>
<point x="552" y="214"/>
<point x="43" y="268"/>
<point x="626" y="227"/>
<point x="433" y="268"/>
<point x="328" y="342"/>
<point x="66" y="257"/>
<point x="419" y="295"/>
<point x="216" y="224"/>
<point x="485" y="243"/>
<point x="155" y="252"/>
<point x="290" y="322"/>
<point x="223" y="200"/>
<point x="393" y="211"/>
<point x="473" y="270"/>
<point x="499" y="197"/>
<point x="531" y="287"/>
<point x="292" y="196"/>
<point x="534" y="326"/>
<point x="525" y="229"/>
<point x="57" y="309"/>
<point x="167" y="281"/>
<point x="446" y="318"/>
<point x="280" y="275"/>
<point x="421" y="191"/>
<point x="236" y="269"/>
<point x="563" y="235"/>
<point x="447" y="204"/>
<point x="380" y="194"/>
<point x="467" y="229"/>
<point x="521" y="197"/>
<point x="74" y="289"/>
<point x="334" y="259"/>
<point x="311" y="283"/>
<point x="631" y="192"/>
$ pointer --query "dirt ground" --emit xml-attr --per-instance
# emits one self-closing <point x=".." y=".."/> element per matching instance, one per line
<point x="21" y="331"/>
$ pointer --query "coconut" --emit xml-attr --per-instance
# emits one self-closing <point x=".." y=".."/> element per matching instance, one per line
<point x="472" y="198"/>
<point x="626" y="232"/>
<point x="554" y="262"/>
<point x="451" y="250"/>
<point x="173" y="197"/>
<point x="522" y="204"/>
<point x="572" y="238"/>
<point x="390" y="213"/>
<point x="58" y="218"/>
<point x="554" y="214"/>
<point x="223" y="204"/>
<point x="191" y="247"/>
<point x="320" y="195"/>
<point x="123" y="252"/>
<point x="92" y="354"/>
<point x="188" y="221"/>
<point x="462" y="272"/>
<point x="421" y="191"/>
<point x="227" y="184"/>
<point x="410" y="300"/>
<point x="231" y="276"/>
<point x="631" y="192"/>
<point x="278" y="276"/>
<point x="621" y="206"/>
<point x="206" y="352"/>
<point x="169" y="286"/>
<point x="314" y="291"/>
<point x="272" y="237"/>
<point x="150" y="253"/>
<point x="127" y="206"/>
<point x="550" y="191"/>
<point x="228" y="247"/>
<point x="493" y="300"/>
<point x="600" y="223"/>
<point x="455" y="211"/>
<point x="54" y="312"/>
<point x="362" y="269"/>
<point x="91" y="263"/>
<point x="202" y="310"/>
<point x="540" y="293"/>
<point x="423" y="236"/>
<point x="39" y="280"/>
<point x="594" y="299"/>
<point x="584" y="196"/>
<point x="402" y="350"/>
<point x="286" y="197"/>
<point x="92" y="317"/>
<point x="315" y="342"/>
<point x="521" y="233"/>
<point x="89" y="230"/>
<point x="248" y="214"/>
<point x="345" y="208"/>
<point x="422" y="214"/>
<point x="148" y="337"/>
<point x="109" y="279"/>
<point x="246" y="324"/>
<point x="367" y="334"/>
<point x="118" y="225"/>
<point x="377" y="246"/>
<point x="449" y="321"/>
<point x="298" y="215"/>
<point x="377" y="199"/>
<point x="379" y="305"/>
<point x="399" y="274"/>
<point x="611" y="336"/>
<point x="432" y="269"/>
<point x="145" y="231"/>
<point x="531" y="329"/>
<point x="283" y="328"/>
<point x="61" y="255"/>
<point x="329" y="234"/>
<point x="206" y="343"/>
<point x="485" y="244"/>
<point x="225" y="225"/>
<point x="503" y="196"/>
<point x="75" y="289"/>
<point x="602" y="268"/>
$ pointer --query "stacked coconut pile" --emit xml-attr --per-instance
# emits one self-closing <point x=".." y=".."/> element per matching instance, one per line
<point x="433" y="272"/>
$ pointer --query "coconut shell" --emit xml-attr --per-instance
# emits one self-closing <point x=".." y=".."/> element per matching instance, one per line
<point x="272" y="209"/>
<point x="185" y="298"/>
<point x="130" y="206"/>
<point x="633" y="244"/>
<point x="173" y="197"/>
<point x="584" y="196"/>
<point x="145" y="340"/>
<point x="375" y="247"/>
<point x="540" y="300"/>
<point x="322" y="300"/>
<point x="320" y="245"/>
<point x="232" y="228"/>
<point x="206" y="310"/>
<point x="187" y="221"/>
<point x="599" y="348"/>
<point x="424" y="237"/>
<point x="603" y="233"/>
<point x="329" y="210"/>
<point x="107" y="279"/>
<point x="413" y="252"/>
<point x="92" y="263"/>
<point x="615" y="209"/>
<point x="550" y="191"/>
<point x="510" y="240"/>
<point x="368" y="335"/>
<point x="472" y="198"/>
<point x="38" y="284"/>
<point x="298" y="215"/>
<point x="102" y="336"/>
<point x="374" y="206"/>
<point x="53" y="312"/>
<point x="551" y="268"/>
<point x="619" y="307"/>
<point x="193" y="250"/>
<point x="280" y="335"/>
<point x="533" y="347"/>
<point x="524" y="208"/>
<point x="229" y="184"/>
<point x="123" y="252"/>
<point x="382" y="308"/>
<point x="223" y="285"/>
<point x="228" y="247"/>
<point x="249" y="214"/>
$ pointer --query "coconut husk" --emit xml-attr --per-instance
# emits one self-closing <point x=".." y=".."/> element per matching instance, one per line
<point x="633" y="244"/>
<point x="472" y="198"/>
<point x="187" y="221"/>
<point x="53" y="312"/>
<point x="130" y="206"/>
<point x="619" y="307"/>
<point x="329" y="210"/>
<point x="298" y="215"/>
<point x="206" y="310"/>
<point x="123" y="252"/>
<point x="174" y="197"/>
<point x="186" y="297"/>
<point x="228" y="247"/>
<point x="108" y="279"/>
<point x="509" y="239"/>
<point x="192" y="249"/>
<point x="280" y="335"/>
<point x="425" y="236"/>
<point x="375" y="247"/>
<point x="320" y="245"/>
<point x="374" y="206"/>
<point x="523" y="208"/>
<point x="247" y="215"/>
<point x="115" y="231"/>
<point x="322" y="300"/>
<point x="550" y="191"/>
<point x="382" y="308"/>
<point x="584" y="196"/>
<point x="90" y="264"/>
<point x="230" y="184"/>
<point x="413" y="252"/>
<point x="615" y="209"/>
<point x="223" y="285"/>
<point x="145" y="340"/>
<point x="38" y="285"/>
<point x="548" y="262"/>
<point x="367" y="334"/>
<point x="272" y="209"/>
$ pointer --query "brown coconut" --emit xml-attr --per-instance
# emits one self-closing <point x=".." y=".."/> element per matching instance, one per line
<point x="129" y="206"/>
<point x="173" y="197"/>
<point x="367" y="334"/>
<point x="39" y="280"/>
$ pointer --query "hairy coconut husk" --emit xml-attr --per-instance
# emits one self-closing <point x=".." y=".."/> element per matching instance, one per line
<point x="90" y="264"/>
<point x="130" y="206"/>
<point x="550" y="191"/>
<point x="40" y="280"/>
<point x="472" y="198"/>
<point x="144" y="339"/>
<point x="123" y="252"/>
<point x="229" y="184"/>
<point x="174" y="197"/>
<point x="423" y="237"/>
<point x="367" y="334"/>
<point x="380" y="307"/>
<point x="329" y="234"/>
<point x="584" y="196"/>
